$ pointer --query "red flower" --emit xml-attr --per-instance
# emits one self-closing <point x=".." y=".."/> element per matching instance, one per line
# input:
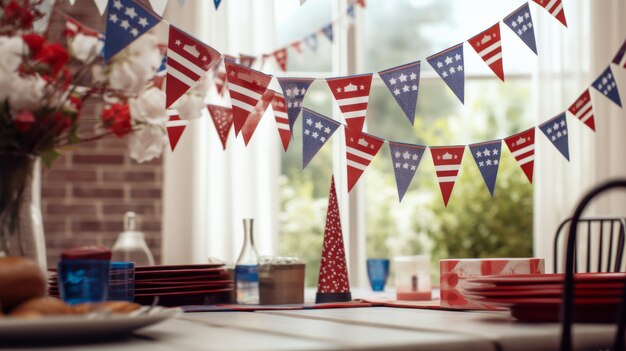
<point x="24" y="121"/>
<point x="117" y="119"/>
<point x="22" y="16"/>
<point x="54" y="55"/>
<point x="62" y="122"/>
<point x="35" y="42"/>
<point x="75" y="103"/>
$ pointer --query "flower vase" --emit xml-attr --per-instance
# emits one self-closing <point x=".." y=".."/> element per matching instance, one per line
<point x="21" y="223"/>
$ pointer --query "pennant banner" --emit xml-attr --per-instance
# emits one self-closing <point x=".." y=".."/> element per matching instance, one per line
<point x="220" y="81"/>
<point x="583" y="110"/>
<point x="246" y="60"/>
<point x="352" y="95"/>
<point x="223" y="120"/>
<point x="294" y="90"/>
<point x="521" y="22"/>
<point x="311" y="41"/>
<point x="73" y="27"/>
<point x="555" y="7"/>
<point x="126" y="21"/>
<point x="605" y="84"/>
<point x="522" y="147"/>
<point x="405" y="159"/>
<point x="282" y="121"/>
<point x="175" y="128"/>
<point x="447" y="160"/>
<point x="281" y="58"/>
<point x="359" y="154"/>
<point x="158" y="6"/>
<point x="555" y="130"/>
<point x="217" y="3"/>
<point x="403" y="83"/>
<point x="255" y="117"/>
<point x="328" y="32"/>
<point x="488" y="45"/>
<point x="101" y="5"/>
<point x="296" y="46"/>
<point x="449" y="66"/>
<point x="487" y="157"/>
<point x="316" y="130"/>
<point x="620" y="57"/>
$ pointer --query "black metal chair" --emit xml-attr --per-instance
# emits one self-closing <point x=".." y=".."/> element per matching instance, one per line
<point x="567" y="308"/>
<point x="598" y="228"/>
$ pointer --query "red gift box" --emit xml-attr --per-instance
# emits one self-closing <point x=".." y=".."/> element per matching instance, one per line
<point x="454" y="271"/>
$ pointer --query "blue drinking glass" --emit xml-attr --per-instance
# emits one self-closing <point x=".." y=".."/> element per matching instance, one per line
<point x="122" y="281"/>
<point x="378" y="271"/>
<point x="83" y="280"/>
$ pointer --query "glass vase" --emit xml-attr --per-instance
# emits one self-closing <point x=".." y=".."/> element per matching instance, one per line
<point x="21" y="223"/>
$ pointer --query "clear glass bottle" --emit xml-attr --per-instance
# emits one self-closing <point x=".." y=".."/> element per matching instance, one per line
<point x="130" y="245"/>
<point x="247" y="268"/>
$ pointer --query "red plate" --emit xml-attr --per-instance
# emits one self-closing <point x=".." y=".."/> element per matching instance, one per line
<point x="558" y="293"/>
<point x="183" y="288"/>
<point x="180" y="271"/>
<point x="178" y="267"/>
<point x="146" y="284"/>
<point x="184" y="293"/>
<point x="531" y="287"/>
<point x="587" y="310"/>
<point x="203" y="278"/>
<point x="528" y="279"/>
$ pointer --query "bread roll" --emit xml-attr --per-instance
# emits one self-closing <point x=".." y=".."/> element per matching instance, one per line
<point x="43" y="306"/>
<point x="119" y="306"/>
<point x="21" y="279"/>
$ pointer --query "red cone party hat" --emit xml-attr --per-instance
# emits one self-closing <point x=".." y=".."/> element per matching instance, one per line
<point x="333" y="284"/>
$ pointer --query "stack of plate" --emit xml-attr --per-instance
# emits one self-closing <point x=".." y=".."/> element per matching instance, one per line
<point x="538" y="298"/>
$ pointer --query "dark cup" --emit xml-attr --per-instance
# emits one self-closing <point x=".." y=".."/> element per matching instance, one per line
<point x="83" y="280"/>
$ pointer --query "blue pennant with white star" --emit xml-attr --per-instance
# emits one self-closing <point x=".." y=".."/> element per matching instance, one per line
<point x="294" y="90"/>
<point x="405" y="159"/>
<point x="311" y="41"/>
<point x="555" y="130"/>
<point x="328" y="31"/>
<point x="487" y="157"/>
<point x="350" y="11"/>
<point x="403" y="83"/>
<point x="521" y="22"/>
<point x="217" y="3"/>
<point x="126" y="21"/>
<point x="449" y="65"/>
<point x="607" y="86"/>
<point x="316" y="130"/>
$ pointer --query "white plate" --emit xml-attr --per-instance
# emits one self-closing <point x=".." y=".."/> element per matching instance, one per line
<point x="81" y="326"/>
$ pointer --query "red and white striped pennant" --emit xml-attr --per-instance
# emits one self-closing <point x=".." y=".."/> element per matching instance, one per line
<point x="447" y="160"/>
<point x="282" y="120"/>
<point x="175" y="127"/>
<point x="360" y="150"/>
<point x="555" y="7"/>
<point x="488" y="45"/>
<point x="583" y="110"/>
<point x="522" y="147"/>
<point x="352" y="94"/>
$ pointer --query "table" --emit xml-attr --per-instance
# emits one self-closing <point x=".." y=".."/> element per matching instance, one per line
<point x="373" y="328"/>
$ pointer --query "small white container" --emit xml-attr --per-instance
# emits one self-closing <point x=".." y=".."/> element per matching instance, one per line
<point x="412" y="276"/>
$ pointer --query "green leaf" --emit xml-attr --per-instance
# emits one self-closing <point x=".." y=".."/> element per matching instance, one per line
<point x="49" y="156"/>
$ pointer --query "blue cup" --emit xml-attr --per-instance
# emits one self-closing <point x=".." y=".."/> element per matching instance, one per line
<point x="122" y="281"/>
<point x="83" y="280"/>
<point x="378" y="271"/>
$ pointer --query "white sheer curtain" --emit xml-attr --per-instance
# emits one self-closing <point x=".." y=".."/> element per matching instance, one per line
<point x="569" y="61"/>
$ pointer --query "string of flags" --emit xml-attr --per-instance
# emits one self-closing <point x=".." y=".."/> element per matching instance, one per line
<point x="187" y="59"/>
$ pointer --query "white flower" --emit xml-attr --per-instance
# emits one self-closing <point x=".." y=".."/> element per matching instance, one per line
<point x="85" y="47"/>
<point x="146" y="143"/>
<point x="11" y="51"/>
<point x="6" y="81"/>
<point x="149" y="107"/>
<point x="189" y="106"/>
<point x="135" y="66"/>
<point x="26" y="93"/>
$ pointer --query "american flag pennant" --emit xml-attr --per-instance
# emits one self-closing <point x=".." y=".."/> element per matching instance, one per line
<point x="620" y="57"/>
<point x="188" y="60"/>
<point x="447" y="160"/>
<point x="222" y="120"/>
<point x="583" y="110"/>
<point x="316" y="130"/>
<point x="246" y="87"/>
<point x="246" y="60"/>
<point x="294" y="90"/>
<point x="175" y="128"/>
<point x="522" y="147"/>
<point x="405" y="158"/>
<point x="449" y="65"/>
<point x="126" y="21"/>
<point x="487" y="157"/>
<point x="555" y="7"/>
<point x="403" y="83"/>
<point x="605" y="83"/>
<point x="296" y="46"/>
<point x="488" y="45"/>
<point x="255" y="117"/>
<point x="158" y="6"/>
<point x="328" y="31"/>
<point x="521" y="22"/>
<point x="217" y="3"/>
<point x="282" y="121"/>
<point x="360" y="150"/>
<point x="311" y="41"/>
<point x="73" y="27"/>
<point x="281" y="58"/>
<point x="555" y="130"/>
<point x="352" y="95"/>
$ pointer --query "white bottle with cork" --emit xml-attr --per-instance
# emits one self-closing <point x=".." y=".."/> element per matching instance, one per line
<point x="130" y="245"/>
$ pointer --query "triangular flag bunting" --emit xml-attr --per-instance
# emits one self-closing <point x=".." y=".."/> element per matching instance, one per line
<point x="282" y="121"/>
<point x="487" y="157"/>
<point x="281" y="58"/>
<point x="583" y="110"/>
<point x="449" y="65"/>
<point x="555" y="7"/>
<point x="294" y="90"/>
<point x="255" y="117"/>
<point x="403" y="83"/>
<point x="175" y="128"/>
<point x="522" y="147"/>
<point x="488" y="45"/>
<point x="246" y="60"/>
<point x="126" y="21"/>
<point x="350" y="11"/>
<point x="222" y="120"/>
<point x="316" y="130"/>
<point x="361" y="3"/>
<point x="352" y="94"/>
<point x="620" y="57"/>
<point x="555" y="129"/>
<point x="521" y="22"/>
<point x="311" y="41"/>
<point x="188" y="60"/>
<point x="605" y="84"/>
<point x="328" y="31"/>
<point x="333" y="284"/>
<point x="405" y="158"/>
<point x="296" y="46"/>
<point x="447" y="160"/>
<point x="246" y="87"/>
<point x="101" y="5"/>
<point x="73" y="27"/>
<point x="158" y="6"/>
<point x="217" y="3"/>
<point x="360" y="150"/>
<point x="220" y="81"/>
